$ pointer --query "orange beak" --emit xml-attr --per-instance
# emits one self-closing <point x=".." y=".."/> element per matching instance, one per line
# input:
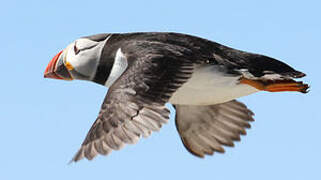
<point x="56" y="69"/>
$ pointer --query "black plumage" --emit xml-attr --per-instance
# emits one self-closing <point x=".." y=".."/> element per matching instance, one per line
<point x="192" y="48"/>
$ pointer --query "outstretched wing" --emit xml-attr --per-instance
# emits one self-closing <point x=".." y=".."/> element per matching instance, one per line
<point x="135" y="104"/>
<point x="205" y="129"/>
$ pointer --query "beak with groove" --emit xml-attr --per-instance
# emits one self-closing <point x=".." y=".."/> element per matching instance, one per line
<point x="57" y="69"/>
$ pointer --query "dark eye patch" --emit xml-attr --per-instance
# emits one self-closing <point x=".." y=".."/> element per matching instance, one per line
<point x="76" y="50"/>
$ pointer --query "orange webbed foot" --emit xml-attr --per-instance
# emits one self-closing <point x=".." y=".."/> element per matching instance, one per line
<point x="276" y="85"/>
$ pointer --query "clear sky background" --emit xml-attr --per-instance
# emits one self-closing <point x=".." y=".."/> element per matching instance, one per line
<point x="44" y="121"/>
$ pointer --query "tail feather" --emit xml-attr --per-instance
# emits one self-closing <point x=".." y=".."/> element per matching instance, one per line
<point x="256" y="64"/>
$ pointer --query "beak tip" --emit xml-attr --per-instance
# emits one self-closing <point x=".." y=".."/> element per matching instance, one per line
<point x="55" y="71"/>
<point x="50" y="69"/>
<point x="52" y="75"/>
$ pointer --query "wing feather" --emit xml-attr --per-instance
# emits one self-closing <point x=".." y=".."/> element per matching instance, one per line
<point x="205" y="129"/>
<point x="135" y="104"/>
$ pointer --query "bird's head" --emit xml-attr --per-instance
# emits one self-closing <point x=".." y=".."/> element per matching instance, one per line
<point x="79" y="60"/>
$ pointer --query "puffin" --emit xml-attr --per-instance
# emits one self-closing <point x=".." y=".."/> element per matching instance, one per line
<point x="144" y="71"/>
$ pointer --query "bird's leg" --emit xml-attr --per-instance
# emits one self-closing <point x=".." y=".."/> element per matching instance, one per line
<point x="276" y="85"/>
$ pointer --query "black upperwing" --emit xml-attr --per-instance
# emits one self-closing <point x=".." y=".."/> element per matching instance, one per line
<point x="205" y="51"/>
<point x="135" y="104"/>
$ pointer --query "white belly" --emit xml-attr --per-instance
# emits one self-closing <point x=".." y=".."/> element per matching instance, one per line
<point x="208" y="85"/>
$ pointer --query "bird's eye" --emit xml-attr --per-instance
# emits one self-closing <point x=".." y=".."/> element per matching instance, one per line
<point x="76" y="50"/>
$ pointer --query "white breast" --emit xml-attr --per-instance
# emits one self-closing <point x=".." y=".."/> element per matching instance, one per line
<point x="209" y="85"/>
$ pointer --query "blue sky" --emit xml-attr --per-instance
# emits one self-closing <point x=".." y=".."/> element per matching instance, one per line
<point x="43" y="121"/>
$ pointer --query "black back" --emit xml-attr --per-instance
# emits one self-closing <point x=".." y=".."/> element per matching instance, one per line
<point x="199" y="51"/>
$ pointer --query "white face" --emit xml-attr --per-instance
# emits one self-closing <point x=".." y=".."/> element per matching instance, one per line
<point x="81" y="58"/>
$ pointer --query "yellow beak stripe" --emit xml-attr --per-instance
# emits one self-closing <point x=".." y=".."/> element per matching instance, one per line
<point x="69" y="66"/>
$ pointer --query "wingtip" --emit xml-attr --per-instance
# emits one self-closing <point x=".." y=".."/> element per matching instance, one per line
<point x="298" y="74"/>
<point x="71" y="161"/>
<point x="78" y="156"/>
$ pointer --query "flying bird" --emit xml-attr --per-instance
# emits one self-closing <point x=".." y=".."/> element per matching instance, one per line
<point x="144" y="71"/>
